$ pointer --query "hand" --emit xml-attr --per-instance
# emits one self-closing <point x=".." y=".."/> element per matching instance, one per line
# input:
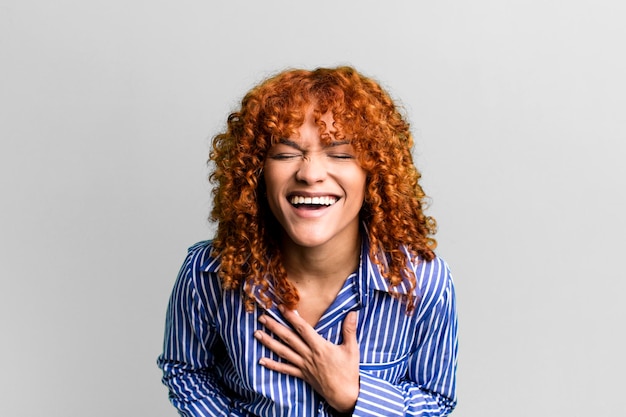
<point x="332" y="370"/>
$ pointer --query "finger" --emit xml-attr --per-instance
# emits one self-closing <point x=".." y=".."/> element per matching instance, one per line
<point x="284" y="368"/>
<point x="349" y="331"/>
<point x="304" y="329"/>
<point x="285" y="334"/>
<point x="278" y="348"/>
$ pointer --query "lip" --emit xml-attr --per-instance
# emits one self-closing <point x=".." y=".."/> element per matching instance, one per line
<point x="309" y="194"/>
<point x="307" y="211"/>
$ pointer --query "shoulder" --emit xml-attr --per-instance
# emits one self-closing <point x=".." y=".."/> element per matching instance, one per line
<point x="434" y="281"/>
<point x="200" y="266"/>
<point x="434" y="270"/>
<point x="199" y="272"/>
<point x="200" y="258"/>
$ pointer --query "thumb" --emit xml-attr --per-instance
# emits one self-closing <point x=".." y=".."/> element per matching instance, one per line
<point x="349" y="330"/>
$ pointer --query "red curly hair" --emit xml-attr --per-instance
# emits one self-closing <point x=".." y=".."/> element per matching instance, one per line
<point x="247" y="233"/>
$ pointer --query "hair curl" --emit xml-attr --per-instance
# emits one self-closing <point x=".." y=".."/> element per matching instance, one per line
<point x="247" y="238"/>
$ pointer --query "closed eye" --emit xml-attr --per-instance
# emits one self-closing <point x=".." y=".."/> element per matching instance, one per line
<point x="341" y="156"/>
<point x="285" y="156"/>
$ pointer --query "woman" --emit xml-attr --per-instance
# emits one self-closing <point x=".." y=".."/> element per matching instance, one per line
<point x="320" y="294"/>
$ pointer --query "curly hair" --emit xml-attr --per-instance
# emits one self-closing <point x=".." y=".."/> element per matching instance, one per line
<point x="247" y="238"/>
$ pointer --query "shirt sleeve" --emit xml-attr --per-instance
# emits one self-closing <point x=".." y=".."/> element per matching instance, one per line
<point x="429" y="386"/>
<point x="187" y="360"/>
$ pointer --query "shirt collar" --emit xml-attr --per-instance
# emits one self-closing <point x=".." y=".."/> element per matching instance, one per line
<point x="368" y="274"/>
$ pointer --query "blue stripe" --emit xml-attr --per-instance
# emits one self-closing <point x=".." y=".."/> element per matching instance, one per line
<point x="408" y="362"/>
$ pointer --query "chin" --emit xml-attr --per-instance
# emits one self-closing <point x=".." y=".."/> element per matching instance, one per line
<point x="308" y="241"/>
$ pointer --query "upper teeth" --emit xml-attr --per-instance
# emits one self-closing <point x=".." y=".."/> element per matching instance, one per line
<point x="326" y="200"/>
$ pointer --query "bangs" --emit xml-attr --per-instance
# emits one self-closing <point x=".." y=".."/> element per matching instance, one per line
<point x="362" y="111"/>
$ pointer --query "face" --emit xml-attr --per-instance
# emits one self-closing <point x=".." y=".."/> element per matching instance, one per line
<point x="314" y="190"/>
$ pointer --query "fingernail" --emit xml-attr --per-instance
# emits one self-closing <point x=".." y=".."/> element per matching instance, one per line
<point x="258" y="335"/>
<point x="262" y="319"/>
<point x="262" y="362"/>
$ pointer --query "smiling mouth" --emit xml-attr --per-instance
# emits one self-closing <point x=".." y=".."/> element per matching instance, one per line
<point x="312" y="202"/>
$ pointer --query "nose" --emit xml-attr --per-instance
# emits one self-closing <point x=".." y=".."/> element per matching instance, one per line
<point x="312" y="169"/>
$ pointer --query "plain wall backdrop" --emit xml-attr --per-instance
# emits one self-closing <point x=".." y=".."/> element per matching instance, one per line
<point x="106" y="113"/>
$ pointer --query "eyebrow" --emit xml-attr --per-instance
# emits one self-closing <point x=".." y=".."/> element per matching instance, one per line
<point x="293" y="144"/>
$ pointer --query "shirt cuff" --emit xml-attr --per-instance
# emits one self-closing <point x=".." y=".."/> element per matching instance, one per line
<point x="378" y="398"/>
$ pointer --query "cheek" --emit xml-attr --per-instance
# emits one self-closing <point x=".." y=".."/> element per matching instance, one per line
<point x="272" y="185"/>
<point x="269" y="178"/>
<point x="362" y="184"/>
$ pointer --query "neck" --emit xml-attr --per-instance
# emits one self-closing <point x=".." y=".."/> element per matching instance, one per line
<point x="321" y="264"/>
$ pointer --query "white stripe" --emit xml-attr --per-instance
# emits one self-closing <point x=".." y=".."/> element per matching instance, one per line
<point x="409" y="360"/>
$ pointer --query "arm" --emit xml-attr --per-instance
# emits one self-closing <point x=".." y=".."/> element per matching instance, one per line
<point x="187" y="360"/>
<point x="430" y="384"/>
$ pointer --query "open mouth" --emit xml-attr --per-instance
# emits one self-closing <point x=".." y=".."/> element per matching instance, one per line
<point x="312" y="202"/>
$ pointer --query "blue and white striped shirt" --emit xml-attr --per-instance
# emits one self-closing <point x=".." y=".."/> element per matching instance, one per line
<point x="407" y="363"/>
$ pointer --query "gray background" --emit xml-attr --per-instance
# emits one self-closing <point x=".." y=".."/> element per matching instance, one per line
<point x="107" y="107"/>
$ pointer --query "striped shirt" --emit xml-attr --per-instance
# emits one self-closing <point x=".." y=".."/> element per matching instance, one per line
<point x="407" y="362"/>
